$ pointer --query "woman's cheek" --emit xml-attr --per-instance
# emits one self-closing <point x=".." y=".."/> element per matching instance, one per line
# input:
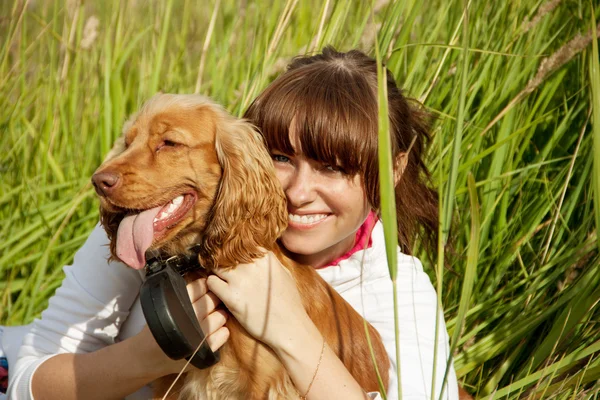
<point x="282" y="174"/>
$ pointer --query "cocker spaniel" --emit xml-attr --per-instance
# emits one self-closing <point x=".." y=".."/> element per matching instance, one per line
<point x="188" y="173"/>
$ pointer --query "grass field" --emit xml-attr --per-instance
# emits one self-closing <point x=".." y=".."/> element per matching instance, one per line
<point x="514" y="87"/>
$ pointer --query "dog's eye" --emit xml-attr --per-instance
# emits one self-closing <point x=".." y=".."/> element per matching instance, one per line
<point x="167" y="143"/>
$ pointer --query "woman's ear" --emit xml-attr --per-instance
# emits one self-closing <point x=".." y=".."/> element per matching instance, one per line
<point x="399" y="167"/>
<point x="250" y="209"/>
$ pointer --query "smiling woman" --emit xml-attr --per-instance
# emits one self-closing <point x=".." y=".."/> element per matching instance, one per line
<point x="320" y="123"/>
<point x="326" y="207"/>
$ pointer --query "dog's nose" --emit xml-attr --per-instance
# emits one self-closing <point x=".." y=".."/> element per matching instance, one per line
<point x="105" y="182"/>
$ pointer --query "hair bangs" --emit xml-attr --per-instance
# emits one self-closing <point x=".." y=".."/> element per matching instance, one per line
<point x="272" y="112"/>
<point x="326" y="113"/>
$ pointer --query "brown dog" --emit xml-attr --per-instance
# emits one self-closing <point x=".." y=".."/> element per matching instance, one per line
<point x="189" y="173"/>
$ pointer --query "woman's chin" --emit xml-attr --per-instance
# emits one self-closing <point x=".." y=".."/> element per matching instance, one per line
<point x="297" y="245"/>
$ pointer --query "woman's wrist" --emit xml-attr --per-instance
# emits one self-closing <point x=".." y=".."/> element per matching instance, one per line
<point x="152" y="362"/>
<point x="314" y="368"/>
<point x="292" y="342"/>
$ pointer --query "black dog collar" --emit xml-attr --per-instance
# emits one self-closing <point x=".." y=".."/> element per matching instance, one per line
<point x="182" y="263"/>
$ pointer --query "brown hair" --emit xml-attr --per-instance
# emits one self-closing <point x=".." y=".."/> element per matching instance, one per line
<point x="332" y="100"/>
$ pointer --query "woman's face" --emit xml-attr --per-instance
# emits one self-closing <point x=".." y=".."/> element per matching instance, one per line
<point x="326" y="207"/>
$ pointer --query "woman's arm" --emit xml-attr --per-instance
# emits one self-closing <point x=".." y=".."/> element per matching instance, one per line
<point x="263" y="297"/>
<point x="84" y="315"/>
<point x="72" y="348"/>
<point x="118" y="370"/>
<point x="112" y="372"/>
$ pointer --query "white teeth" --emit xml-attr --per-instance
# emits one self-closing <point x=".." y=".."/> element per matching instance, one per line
<point x="173" y="205"/>
<point x="306" y="219"/>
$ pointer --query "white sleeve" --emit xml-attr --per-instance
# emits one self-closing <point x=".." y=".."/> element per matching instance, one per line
<point x="417" y="304"/>
<point x="84" y="315"/>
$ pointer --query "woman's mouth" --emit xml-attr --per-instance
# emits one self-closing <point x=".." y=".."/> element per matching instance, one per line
<point x="305" y="221"/>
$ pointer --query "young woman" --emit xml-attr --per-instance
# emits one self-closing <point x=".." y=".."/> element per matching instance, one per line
<point x="319" y="120"/>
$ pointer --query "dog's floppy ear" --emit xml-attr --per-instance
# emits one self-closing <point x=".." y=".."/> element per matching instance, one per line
<point x="250" y="210"/>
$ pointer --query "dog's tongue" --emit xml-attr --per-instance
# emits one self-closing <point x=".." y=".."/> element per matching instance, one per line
<point x="134" y="236"/>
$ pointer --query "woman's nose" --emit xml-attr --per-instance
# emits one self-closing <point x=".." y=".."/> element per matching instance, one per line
<point x="301" y="188"/>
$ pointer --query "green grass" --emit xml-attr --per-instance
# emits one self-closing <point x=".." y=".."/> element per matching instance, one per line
<point x="517" y="131"/>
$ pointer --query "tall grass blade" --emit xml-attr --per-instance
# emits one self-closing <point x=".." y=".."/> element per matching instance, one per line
<point x="532" y="378"/>
<point x="387" y="196"/>
<point x="386" y="174"/>
<point x="209" y="33"/>
<point x="457" y="139"/>
<point x="470" y="274"/>
<point x="160" y="51"/>
<point x="594" y="72"/>
<point x="108" y="134"/>
<point x="448" y="201"/>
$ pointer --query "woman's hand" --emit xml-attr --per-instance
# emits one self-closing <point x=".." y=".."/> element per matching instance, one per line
<point x="263" y="298"/>
<point x="212" y="320"/>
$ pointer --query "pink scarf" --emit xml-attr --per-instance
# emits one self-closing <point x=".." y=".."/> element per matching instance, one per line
<point x="360" y="240"/>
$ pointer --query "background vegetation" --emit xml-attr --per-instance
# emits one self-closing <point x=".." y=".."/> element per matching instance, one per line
<point x="514" y="87"/>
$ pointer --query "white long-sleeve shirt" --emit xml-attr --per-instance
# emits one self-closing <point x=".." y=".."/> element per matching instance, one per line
<point x="98" y="305"/>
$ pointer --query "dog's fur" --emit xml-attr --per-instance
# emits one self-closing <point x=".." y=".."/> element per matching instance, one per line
<point x="239" y="212"/>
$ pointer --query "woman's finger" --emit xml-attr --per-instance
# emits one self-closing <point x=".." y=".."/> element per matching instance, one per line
<point x="197" y="289"/>
<point x="213" y="321"/>
<point x="219" y="287"/>
<point x="206" y="305"/>
<point x="218" y="339"/>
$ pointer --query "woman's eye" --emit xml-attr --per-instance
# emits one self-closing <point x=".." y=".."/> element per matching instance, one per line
<point x="280" y="158"/>
<point x="333" y="168"/>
